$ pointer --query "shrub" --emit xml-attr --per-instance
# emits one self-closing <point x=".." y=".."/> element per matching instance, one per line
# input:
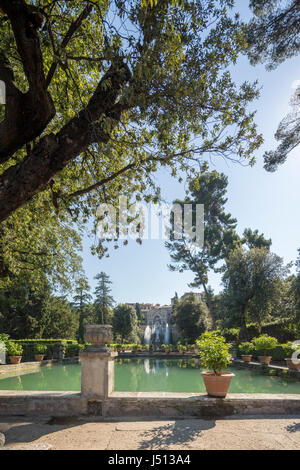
<point x="265" y="343"/>
<point x="39" y="348"/>
<point x="214" y="351"/>
<point x="246" y="348"/>
<point x="13" y="348"/>
<point x="231" y="334"/>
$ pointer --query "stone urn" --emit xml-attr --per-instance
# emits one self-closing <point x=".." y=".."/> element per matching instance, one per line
<point x="293" y="364"/>
<point x="98" y="336"/>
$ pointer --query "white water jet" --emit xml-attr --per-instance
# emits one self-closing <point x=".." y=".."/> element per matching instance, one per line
<point x="167" y="334"/>
<point x="147" y="334"/>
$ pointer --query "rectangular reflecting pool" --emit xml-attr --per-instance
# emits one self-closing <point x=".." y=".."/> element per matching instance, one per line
<point x="150" y="375"/>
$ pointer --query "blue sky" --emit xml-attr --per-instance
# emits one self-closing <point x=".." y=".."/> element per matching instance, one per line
<point x="265" y="201"/>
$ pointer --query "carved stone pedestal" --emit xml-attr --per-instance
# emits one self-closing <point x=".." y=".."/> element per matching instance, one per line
<point x="97" y="363"/>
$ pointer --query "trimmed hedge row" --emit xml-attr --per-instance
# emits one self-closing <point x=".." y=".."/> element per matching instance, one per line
<point x="284" y="331"/>
<point x="55" y="348"/>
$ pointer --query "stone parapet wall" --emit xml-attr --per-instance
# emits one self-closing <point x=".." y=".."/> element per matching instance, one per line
<point x="145" y="405"/>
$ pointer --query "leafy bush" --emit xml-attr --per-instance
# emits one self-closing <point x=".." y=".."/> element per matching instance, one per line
<point x="39" y="348"/>
<point x="246" y="348"/>
<point x="231" y="334"/>
<point x="214" y="351"/>
<point x="265" y="343"/>
<point x="13" y="349"/>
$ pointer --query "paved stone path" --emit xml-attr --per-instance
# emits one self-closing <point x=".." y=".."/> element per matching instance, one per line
<point x="239" y="432"/>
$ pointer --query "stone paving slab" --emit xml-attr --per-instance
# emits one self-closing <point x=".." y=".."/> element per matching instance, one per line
<point x="238" y="432"/>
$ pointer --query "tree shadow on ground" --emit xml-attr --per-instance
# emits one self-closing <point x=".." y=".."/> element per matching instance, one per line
<point x="24" y="432"/>
<point x="178" y="433"/>
<point x="293" y="427"/>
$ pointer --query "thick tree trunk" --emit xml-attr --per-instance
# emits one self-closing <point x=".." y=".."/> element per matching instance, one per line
<point x="53" y="153"/>
<point x="26" y="114"/>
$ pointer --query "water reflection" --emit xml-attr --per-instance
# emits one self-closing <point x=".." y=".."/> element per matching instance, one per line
<point x="150" y="375"/>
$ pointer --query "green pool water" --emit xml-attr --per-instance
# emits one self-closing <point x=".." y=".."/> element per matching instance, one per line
<point x="149" y="375"/>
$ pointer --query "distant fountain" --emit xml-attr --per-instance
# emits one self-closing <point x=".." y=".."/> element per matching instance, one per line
<point x="167" y="334"/>
<point x="156" y="334"/>
<point x="147" y="334"/>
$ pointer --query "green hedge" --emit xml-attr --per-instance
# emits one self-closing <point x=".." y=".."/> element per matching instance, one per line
<point x="283" y="330"/>
<point x="70" y="348"/>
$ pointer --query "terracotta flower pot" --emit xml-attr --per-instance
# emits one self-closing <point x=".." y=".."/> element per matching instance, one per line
<point x="293" y="364"/>
<point x="265" y="360"/>
<point x="38" y="357"/>
<point x="246" y="357"/>
<point x="15" y="359"/>
<point x="217" y="385"/>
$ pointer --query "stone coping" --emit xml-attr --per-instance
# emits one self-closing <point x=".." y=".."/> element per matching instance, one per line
<point x="145" y="404"/>
<point x="279" y="370"/>
<point x="26" y="367"/>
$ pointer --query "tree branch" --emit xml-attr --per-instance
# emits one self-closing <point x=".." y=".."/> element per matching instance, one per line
<point x="72" y="29"/>
<point x="19" y="183"/>
<point x="27" y="114"/>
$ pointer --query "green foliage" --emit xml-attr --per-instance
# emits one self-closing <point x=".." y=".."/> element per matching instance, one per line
<point x="219" y="231"/>
<point x="40" y="348"/>
<point x="265" y="343"/>
<point x="104" y="301"/>
<point x="30" y="310"/>
<point x="180" y="92"/>
<point x="273" y="32"/>
<point x="214" y="352"/>
<point x="124" y="321"/>
<point x="13" y="348"/>
<point x="231" y="334"/>
<point x="246" y="348"/>
<point x="273" y="36"/>
<point x="191" y="318"/>
<point x="80" y="303"/>
<point x="279" y="353"/>
<point x="252" y="282"/>
<point x="60" y="321"/>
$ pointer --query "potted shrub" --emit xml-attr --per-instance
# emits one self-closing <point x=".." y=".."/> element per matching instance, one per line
<point x="147" y="347"/>
<point x="292" y="362"/>
<point x="134" y="348"/>
<point x="244" y="349"/>
<point x="14" y="351"/>
<point x="181" y="348"/>
<point x="214" y="354"/>
<point x="39" y="351"/>
<point x="265" y="343"/>
<point x="164" y="347"/>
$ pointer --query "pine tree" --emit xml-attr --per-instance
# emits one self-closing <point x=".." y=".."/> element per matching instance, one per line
<point x="104" y="301"/>
<point x="81" y="299"/>
<point x="273" y="37"/>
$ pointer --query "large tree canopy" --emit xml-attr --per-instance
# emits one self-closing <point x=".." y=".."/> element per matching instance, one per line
<point x="274" y="36"/>
<point x="252" y="283"/>
<point x="99" y="93"/>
